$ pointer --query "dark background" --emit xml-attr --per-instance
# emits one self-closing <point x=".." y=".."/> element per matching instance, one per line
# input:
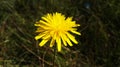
<point x="99" y="44"/>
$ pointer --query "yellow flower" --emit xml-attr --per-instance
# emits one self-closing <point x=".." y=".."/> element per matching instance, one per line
<point x="56" y="28"/>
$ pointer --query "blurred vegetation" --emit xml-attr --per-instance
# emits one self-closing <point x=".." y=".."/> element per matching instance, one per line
<point x="99" y="44"/>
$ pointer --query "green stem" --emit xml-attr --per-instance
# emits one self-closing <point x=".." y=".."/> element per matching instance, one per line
<point x="54" y="57"/>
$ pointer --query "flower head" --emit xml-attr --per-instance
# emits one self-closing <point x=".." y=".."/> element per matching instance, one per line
<point x="56" y="28"/>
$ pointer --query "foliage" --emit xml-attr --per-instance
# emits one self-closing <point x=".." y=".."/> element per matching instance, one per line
<point x="99" y="44"/>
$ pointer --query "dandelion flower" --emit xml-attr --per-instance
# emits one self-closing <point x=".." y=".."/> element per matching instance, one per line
<point x="57" y="29"/>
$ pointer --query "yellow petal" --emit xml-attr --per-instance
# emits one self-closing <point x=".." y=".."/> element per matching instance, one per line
<point x="36" y="24"/>
<point x="46" y="19"/>
<point x="53" y="38"/>
<point x="71" y="37"/>
<point x="47" y="36"/>
<point x="43" y="22"/>
<point x="69" y="19"/>
<point x="39" y="30"/>
<point x="39" y="36"/>
<point x="52" y="42"/>
<point x="75" y="32"/>
<point x="58" y="41"/>
<point x="43" y="42"/>
<point x="63" y="39"/>
<point x="42" y="26"/>
<point x="49" y="16"/>
<point x="77" y="24"/>
<point x="68" y="41"/>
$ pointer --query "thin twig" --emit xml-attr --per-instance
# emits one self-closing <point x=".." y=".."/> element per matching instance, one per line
<point x="37" y="55"/>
